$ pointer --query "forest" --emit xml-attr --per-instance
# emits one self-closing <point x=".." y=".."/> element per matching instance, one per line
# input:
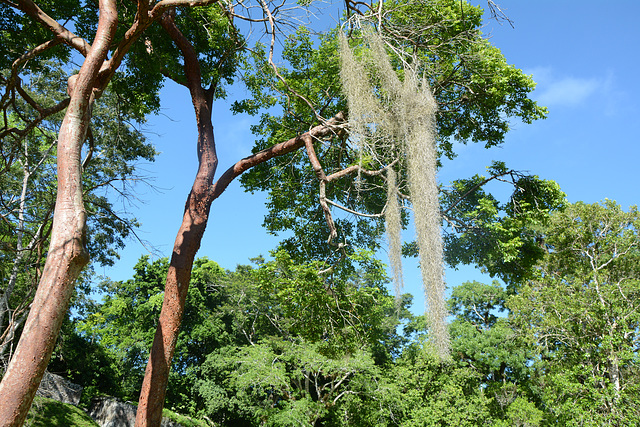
<point x="354" y="119"/>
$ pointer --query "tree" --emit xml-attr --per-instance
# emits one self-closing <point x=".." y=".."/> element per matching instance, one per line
<point x="290" y="382"/>
<point x="580" y="315"/>
<point x="502" y="238"/>
<point x="330" y="338"/>
<point x="28" y="182"/>
<point x="308" y="349"/>
<point x="90" y="83"/>
<point x="484" y="341"/>
<point x="393" y="69"/>
<point x="437" y="394"/>
<point x="67" y="253"/>
<point x="472" y="85"/>
<point x="123" y="324"/>
<point x="184" y="33"/>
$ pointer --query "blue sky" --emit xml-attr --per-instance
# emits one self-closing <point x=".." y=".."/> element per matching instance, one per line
<point x="584" y="57"/>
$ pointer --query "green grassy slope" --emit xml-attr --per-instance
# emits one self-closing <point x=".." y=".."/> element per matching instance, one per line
<point x="50" y="413"/>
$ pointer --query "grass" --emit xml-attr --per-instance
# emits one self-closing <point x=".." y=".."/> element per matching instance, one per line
<point x="51" y="413"/>
<point x="183" y="420"/>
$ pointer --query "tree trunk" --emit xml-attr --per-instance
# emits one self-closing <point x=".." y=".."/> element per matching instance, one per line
<point x="615" y="379"/>
<point x="187" y="241"/>
<point x="67" y="254"/>
<point x="185" y="248"/>
<point x="194" y="222"/>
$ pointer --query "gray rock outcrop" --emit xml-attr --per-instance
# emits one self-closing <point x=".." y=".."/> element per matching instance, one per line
<point x="107" y="411"/>
<point x="112" y="412"/>
<point x="56" y="387"/>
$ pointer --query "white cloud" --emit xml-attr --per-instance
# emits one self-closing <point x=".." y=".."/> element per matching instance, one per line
<point x="557" y="91"/>
<point x="568" y="91"/>
<point x="540" y="74"/>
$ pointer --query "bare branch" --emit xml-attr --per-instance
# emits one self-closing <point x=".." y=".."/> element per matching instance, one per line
<point x="351" y="211"/>
<point x="498" y="14"/>
<point x="272" y="32"/>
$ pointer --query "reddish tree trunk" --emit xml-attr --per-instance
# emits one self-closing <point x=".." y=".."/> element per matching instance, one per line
<point x="194" y="222"/>
<point x="185" y="248"/>
<point x="67" y="254"/>
<point x="186" y="244"/>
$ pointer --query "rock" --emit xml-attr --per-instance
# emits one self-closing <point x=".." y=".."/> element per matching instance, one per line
<point x="111" y="412"/>
<point x="56" y="387"/>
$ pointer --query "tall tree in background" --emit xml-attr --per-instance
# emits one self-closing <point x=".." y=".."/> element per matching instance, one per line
<point x="580" y="313"/>
<point x="397" y="56"/>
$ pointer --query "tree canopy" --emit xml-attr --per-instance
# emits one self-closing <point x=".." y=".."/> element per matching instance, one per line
<point x="284" y="346"/>
<point x="430" y="77"/>
<point x="476" y="91"/>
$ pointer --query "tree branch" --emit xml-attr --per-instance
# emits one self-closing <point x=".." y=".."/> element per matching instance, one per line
<point x="269" y="153"/>
<point x="76" y="42"/>
<point x="474" y="188"/>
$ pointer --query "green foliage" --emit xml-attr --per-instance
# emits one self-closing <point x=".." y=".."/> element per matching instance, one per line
<point x="437" y="394"/>
<point x="291" y="382"/>
<point x="115" y="142"/>
<point x="114" y="146"/>
<point x="277" y="304"/>
<point x="287" y="374"/>
<point x="124" y="324"/>
<point x="504" y="239"/>
<point x="341" y="312"/>
<point x="477" y="94"/>
<point x="154" y="57"/>
<point x="282" y="345"/>
<point x="477" y="303"/>
<point x="579" y="314"/>
<point x="292" y="203"/>
<point x="302" y="343"/>
<point x="183" y="420"/>
<point x="483" y="339"/>
<point x="476" y="89"/>
<point x="20" y="34"/>
<point x="85" y="362"/>
<point x="521" y="413"/>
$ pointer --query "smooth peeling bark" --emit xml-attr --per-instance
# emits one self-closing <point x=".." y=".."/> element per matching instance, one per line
<point x="187" y="243"/>
<point x="67" y="254"/>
